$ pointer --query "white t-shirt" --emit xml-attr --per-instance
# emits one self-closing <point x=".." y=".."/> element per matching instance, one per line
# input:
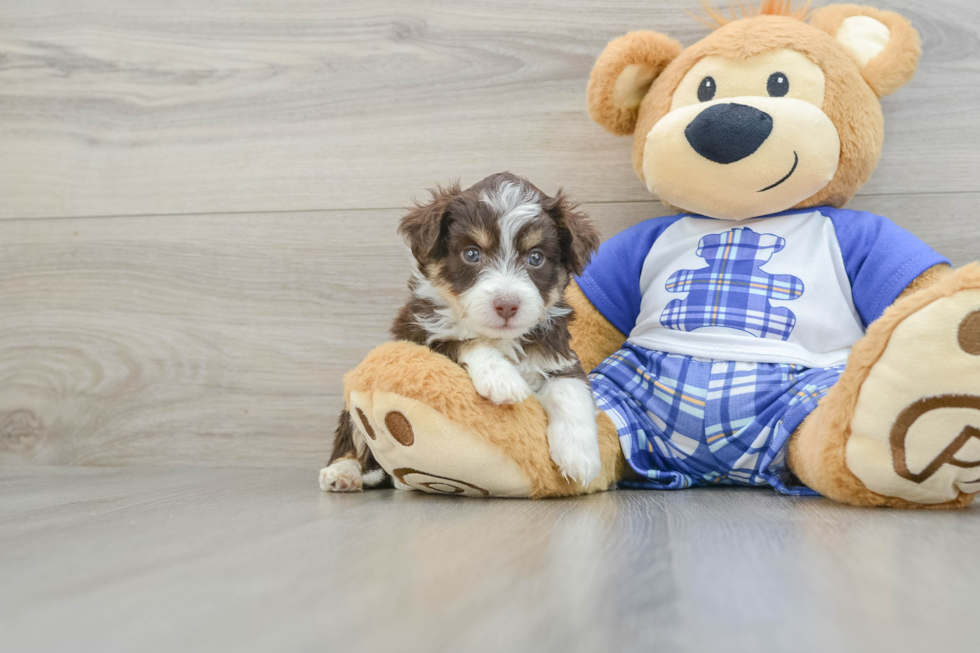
<point x="793" y="288"/>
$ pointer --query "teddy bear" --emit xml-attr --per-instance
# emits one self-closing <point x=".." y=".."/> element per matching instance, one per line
<point x="762" y="336"/>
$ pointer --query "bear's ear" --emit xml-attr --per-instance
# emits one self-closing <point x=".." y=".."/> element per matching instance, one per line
<point x="885" y="45"/>
<point x="622" y="76"/>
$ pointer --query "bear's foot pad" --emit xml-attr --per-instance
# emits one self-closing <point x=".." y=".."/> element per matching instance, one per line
<point x="915" y="434"/>
<point x="425" y="451"/>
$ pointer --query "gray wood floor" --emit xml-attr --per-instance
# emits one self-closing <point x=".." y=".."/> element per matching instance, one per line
<point x="197" y="211"/>
<point x="260" y="560"/>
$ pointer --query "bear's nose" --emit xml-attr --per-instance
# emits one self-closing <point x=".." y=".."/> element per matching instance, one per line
<point x="726" y="133"/>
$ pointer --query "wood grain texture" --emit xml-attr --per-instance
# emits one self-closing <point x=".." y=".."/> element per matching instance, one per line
<point x="223" y="339"/>
<point x="153" y="107"/>
<point x="211" y="338"/>
<point x="259" y="560"/>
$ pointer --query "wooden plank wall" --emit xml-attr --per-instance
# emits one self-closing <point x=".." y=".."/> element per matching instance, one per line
<point x="198" y="199"/>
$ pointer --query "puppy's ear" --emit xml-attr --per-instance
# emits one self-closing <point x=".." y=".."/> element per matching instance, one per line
<point x="622" y="75"/>
<point x="423" y="226"/>
<point x="884" y="45"/>
<point x="578" y="238"/>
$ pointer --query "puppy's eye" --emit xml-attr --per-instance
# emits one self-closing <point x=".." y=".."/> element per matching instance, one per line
<point x="707" y="89"/>
<point x="535" y="259"/>
<point x="778" y="85"/>
<point x="471" y="255"/>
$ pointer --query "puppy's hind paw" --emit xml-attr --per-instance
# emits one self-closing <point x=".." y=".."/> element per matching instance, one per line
<point x="343" y="475"/>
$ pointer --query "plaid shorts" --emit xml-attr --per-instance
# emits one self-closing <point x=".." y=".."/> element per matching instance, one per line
<point x="685" y="422"/>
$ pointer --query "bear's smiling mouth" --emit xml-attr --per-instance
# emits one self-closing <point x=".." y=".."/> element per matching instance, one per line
<point x="796" y="161"/>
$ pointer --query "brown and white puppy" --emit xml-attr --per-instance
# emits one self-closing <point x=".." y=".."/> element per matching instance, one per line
<point x="493" y="262"/>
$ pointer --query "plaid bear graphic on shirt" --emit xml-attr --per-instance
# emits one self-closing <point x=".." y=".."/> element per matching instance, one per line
<point x="733" y="291"/>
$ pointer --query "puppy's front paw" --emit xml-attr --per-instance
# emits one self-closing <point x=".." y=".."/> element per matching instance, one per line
<point x="501" y="384"/>
<point x="343" y="475"/>
<point x="575" y="449"/>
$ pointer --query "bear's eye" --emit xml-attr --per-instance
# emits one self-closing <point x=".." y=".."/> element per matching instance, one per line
<point x="471" y="255"/>
<point x="778" y="85"/>
<point x="707" y="89"/>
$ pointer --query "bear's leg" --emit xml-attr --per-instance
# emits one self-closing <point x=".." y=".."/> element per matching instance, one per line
<point x="428" y="427"/>
<point x="902" y="426"/>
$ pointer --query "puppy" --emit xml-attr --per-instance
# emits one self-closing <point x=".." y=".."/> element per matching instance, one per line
<point x="492" y="265"/>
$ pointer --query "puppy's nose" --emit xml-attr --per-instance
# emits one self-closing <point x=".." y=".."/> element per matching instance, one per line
<point x="506" y="306"/>
<point x="726" y="133"/>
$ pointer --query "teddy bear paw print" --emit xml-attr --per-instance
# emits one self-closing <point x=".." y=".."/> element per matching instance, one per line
<point x="915" y="433"/>
<point x="424" y="450"/>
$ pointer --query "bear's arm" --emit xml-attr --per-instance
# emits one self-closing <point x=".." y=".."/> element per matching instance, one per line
<point x="927" y="278"/>
<point x="593" y="336"/>
<point x="612" y="281"/>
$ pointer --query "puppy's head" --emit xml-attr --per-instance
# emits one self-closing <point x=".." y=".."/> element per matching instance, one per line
<point x="500" y="253"/>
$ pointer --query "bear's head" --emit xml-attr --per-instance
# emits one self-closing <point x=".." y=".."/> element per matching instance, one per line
<point x="771" y="111"/>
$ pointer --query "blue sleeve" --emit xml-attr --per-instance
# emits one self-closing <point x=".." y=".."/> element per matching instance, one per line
<point x="881" y="259"/>
<point x="612" y="279"/>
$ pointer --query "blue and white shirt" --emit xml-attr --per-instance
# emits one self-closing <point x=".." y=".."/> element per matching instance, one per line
<point x="797" y="287"/>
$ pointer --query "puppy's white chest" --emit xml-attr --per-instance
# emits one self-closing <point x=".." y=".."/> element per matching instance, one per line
<point x="532" y="375"/>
